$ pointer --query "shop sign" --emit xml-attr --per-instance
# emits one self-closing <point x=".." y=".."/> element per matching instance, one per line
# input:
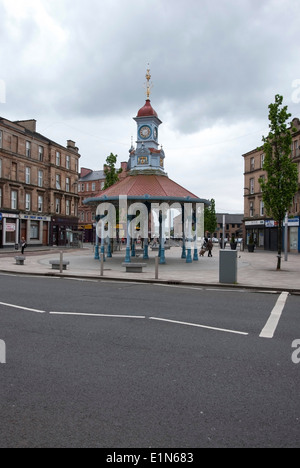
<point x="270" y="223"/>
<point x="1" y="216"/>
<point x="10" y="227"/>
<point x="293" y="222"/>
<point x="259" y="222"/>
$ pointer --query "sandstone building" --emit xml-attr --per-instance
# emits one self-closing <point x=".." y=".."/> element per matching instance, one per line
<point x="256" y="221"/>
<point x="38" y="186"/>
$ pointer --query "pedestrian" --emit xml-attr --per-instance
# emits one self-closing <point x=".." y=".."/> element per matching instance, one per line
<point x="209" y="247"/>
<point x="23" y="245"/>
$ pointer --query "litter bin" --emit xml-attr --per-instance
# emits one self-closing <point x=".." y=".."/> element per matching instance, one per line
<point x="228" y="266"/>
<point x="16" y="246"/>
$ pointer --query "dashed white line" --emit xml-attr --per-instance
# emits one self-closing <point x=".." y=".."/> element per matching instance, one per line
<point x="271" y="325"/>
<point x="23" y="308"/>
<point x="82" y="314"/>
<point x="199" y="326"/>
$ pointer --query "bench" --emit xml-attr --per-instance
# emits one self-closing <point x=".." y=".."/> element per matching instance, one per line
<point x="134" y="267"/>
<point x="20" y="260"/>
<point x="56" y="264"/>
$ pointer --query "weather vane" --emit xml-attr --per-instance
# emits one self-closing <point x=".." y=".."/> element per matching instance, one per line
<point x="149" y="85"/>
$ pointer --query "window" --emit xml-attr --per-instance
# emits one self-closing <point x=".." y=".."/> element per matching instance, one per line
<point x="57" y="184"/>
<point x="252" y="164"/>
<point x="14" y="199"/>
<point x="82" y="187"/>
<point x="40" y="204"/>
<point x="67" y="162"/>
<point x="102" y="185"/>
<point x="28" y="149"/>
<point x="251" y="186"/>
<point x="57" y="205"/>
<point x="27" y="175"/>
<point x="34" y="230"/>
<point x="251" y="210"/>
<point x="41" y="153"/>
<point x="57" y="158"/>
<point x="27" y="201"/>
<point x="0" y="168"/>
<point x="262" y="208"/>
<point x="0" y="197"/>
<point x="78" y="188"/>
<point x="262" y="160"/>
<point x="93" y="187"/>
<point x="40" y="178"/>
<point x="67" y="184"/>
<point x="87" y="187"/>
<point x="68" y="207"/>
<point x="1" y="138"/>
<point x="263" y="178"/>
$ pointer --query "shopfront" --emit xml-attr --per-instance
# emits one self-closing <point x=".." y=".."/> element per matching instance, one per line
<point x="9" y="229"/>
<point x="35" y="229"/>
<point x="255" y="229"/>
<point x="62" y="231"/>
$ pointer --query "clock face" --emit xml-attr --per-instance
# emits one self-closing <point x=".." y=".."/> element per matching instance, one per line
<point x="155" y="133"/>
<point x="145" y="132"/>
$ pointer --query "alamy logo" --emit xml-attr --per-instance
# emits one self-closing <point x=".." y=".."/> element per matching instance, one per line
<point x="2" y="352"/>
<point x="296" y="354"/>
<point x="2" y="92"/>
<point x="296" y="93"/>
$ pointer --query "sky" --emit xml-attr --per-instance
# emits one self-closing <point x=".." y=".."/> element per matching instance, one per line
<point x="79" y="69"/>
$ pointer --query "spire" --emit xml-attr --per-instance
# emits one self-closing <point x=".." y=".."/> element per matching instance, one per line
<point x="148" y="84"/>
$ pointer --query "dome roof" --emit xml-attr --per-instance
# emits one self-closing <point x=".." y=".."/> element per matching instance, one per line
<point x="147" y="110"/>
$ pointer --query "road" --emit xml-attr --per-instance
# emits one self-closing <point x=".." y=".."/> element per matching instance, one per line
<point x="103" y="364"/>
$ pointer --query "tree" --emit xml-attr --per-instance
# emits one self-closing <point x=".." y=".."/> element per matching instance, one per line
<point x="281" y="184"/>
<point x="210" y="218"/>
<point x="110" y="171"/>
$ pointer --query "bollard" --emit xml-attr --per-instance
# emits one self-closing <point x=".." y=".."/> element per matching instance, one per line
<point x="61" y="259"/>
<point x="156" y="267"/>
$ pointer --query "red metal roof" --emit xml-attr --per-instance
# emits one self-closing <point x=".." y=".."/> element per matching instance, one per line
<point x="152" y="185"/>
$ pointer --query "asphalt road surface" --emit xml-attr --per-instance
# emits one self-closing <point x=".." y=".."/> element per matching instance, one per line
<point x="104" y="364"/>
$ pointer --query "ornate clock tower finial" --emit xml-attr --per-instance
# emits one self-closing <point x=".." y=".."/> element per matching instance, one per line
<point x="148" y="85"/>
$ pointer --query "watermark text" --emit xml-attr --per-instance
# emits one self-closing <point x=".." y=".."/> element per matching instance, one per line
<point x="2" y="92"/>
<point x="296" y="353"/>
<point x="2" y="352"/>
<point x="296" y="93"/>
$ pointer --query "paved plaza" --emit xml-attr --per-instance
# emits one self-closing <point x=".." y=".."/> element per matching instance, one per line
<point x="255" y="270"/>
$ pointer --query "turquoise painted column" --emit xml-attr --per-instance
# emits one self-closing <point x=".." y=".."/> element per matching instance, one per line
<point x="133" y="252"/>
<point x="127" y="257"/>
<point x="102" y="250"/>
<point x="196" y="256"/>
<point x="162" y="219"/>
<point x="189" y="258"/>
<point x="146" y="250"/>
<point x="109" y="254"/>
<point x="183" y="255"/>
<point x="97" y="242"/>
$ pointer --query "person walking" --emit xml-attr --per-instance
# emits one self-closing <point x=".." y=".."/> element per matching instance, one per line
<point x="23" y="245"/>
<point x="209" y="247"/>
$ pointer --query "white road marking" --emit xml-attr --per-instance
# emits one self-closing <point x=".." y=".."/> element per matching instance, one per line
<point x="199" y="326"/>
<point x="271" y="325"/>
<point x="98" y="315"/>
<point x="23" y="308"/>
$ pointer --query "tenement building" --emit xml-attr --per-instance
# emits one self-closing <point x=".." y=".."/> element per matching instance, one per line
<point x="256" y="222"/>
<point x="38" y="186"/>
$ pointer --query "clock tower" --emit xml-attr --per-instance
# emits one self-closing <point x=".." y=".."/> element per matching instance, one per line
<point x="147" y="158"/>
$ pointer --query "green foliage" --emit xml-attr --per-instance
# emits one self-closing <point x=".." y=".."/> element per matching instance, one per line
<point x="110" y="171"/>
<point x="210" y="218"/>
<point x="281" y="183"/>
